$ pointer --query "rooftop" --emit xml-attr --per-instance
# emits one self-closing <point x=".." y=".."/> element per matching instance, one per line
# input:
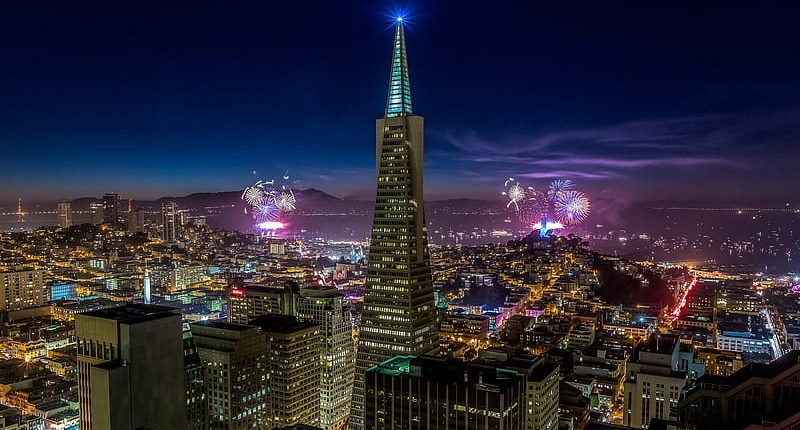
<point x="135" y="312"/>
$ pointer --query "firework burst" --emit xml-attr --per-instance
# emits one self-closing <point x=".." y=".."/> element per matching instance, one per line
<point x="285" y="200"/>
<point x="571" y="207"/>
<point x="558" y="187"/>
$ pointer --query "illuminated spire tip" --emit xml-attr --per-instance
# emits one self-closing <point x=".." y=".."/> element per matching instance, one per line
<point x="398" y="102"/>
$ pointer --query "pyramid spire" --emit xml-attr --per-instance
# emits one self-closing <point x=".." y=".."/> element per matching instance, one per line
<point x="398" y="102"/>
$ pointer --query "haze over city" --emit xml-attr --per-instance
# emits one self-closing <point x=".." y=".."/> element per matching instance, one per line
<point x="635" y="101"/>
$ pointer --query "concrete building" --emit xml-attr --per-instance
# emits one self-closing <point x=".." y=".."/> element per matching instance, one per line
<point x="22" y="288"/>
<point x="183" y="277"/>
<point x="294" y="370"/>
<point x="757" y="396"/>
<point x="64" y="213"/>
<point x="169" y="222"/>
<point x="248" y="303"/>
<point x="653" y="381"/>
<point x="96" y="211"/>
<point x="399" y="313"/>
<point x="111" y="209"/>
<point x="234" y="361"/>
<point x="327" y="308"/>
<point x="429" y="392"/>
<point x="136" y="221"/>
<point x="194" y="379"/>
<point x="131" y="368"/>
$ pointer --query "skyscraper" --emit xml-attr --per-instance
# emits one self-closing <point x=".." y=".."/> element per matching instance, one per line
<point x="96" y="210"/>
<point x="131" y="368"/>
<point x="169" y="222"/>
<point x="399" y="314"/>
<point x="234" y="360"/>
<point x="327" y="307"/>
<point x="294" y="370"/>
<point x="64" y="211"/>
<point x="111" y="209"/>
<point x="136" y="221"/>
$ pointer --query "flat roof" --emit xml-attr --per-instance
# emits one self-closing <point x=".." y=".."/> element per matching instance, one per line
<point x="134" y="312"/>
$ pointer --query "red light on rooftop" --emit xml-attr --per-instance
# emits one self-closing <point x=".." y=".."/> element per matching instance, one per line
<point x="237" y="292"/>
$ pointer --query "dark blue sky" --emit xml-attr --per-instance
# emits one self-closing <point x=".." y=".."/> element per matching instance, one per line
<point x="635" y="100"/>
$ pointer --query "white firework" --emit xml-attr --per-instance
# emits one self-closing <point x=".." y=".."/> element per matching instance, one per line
<point x="515" y="194"/>
<point x="253" y="195"/>
<point x="285" y="200"/>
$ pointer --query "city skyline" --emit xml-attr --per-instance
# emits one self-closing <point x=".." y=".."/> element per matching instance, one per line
<point x="633" y="102"/>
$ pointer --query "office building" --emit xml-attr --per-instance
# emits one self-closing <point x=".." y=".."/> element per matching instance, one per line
<point x="248" y="303"/>
<point x="757" y="396"/>
<point x="235" y="369"/>
<point x="63" y="291"/>
<point x="183" y="277"/>
<point x="327" y="308"/>
<point x="96" y="212"/>
<point x="21" y="289"/>
<point x="131" y="368"/>
<point x="136" y="221"/>
<point x="653" y="381"/>
<point x="64" y="212"/>
<point x="294" y="369"/>
<point x="194" y="380"/>
<point x="399" y="313"/>
<point x="169" y="222"/>
<point x="111" y="209"/>
<point x="434" y="393"/>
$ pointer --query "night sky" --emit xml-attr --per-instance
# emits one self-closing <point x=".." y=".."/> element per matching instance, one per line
<point x="632" y="101"/>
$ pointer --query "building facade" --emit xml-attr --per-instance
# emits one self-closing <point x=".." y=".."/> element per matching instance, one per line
<point x="235" y="369"/>
<point x="757" y="396"/>
<point x="131" y="368"/>
<point x="169" y="222"/>
<point x="433" y="393"/>
<point x="294" y="370"/>
<point x="399" y="314"/>
<point x="22" y="288"/>
<point x="327" y="308"/>
<point x="653" y="382"/>
<point x="64" y="212"/>
<point x="111" y="209"/>
<point x="250" y="302"/>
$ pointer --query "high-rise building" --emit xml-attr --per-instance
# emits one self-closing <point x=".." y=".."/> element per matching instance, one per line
<point x="234" y="360"/>
<point x="399" y="314"/>
<point x="415" y="393"/>
<point x="757" y="396"/>
<point x="136" y="221"/>
<point x="111" y="209"/>
<point x="653" y="381"/>
<point x="248" y="303"/>
<point x="169" y="222"/>
<point x="64" y="212"/>
<point x="327" y="308"/>
<point x="194" y="380"/>
<point x="131" y="368"/>
<point x="294" y="370"/>
<point x="96" y="211"/>
<point x="21" y="289"/>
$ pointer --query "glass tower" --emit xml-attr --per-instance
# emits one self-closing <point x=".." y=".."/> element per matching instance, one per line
<point x="399" y="314"/>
